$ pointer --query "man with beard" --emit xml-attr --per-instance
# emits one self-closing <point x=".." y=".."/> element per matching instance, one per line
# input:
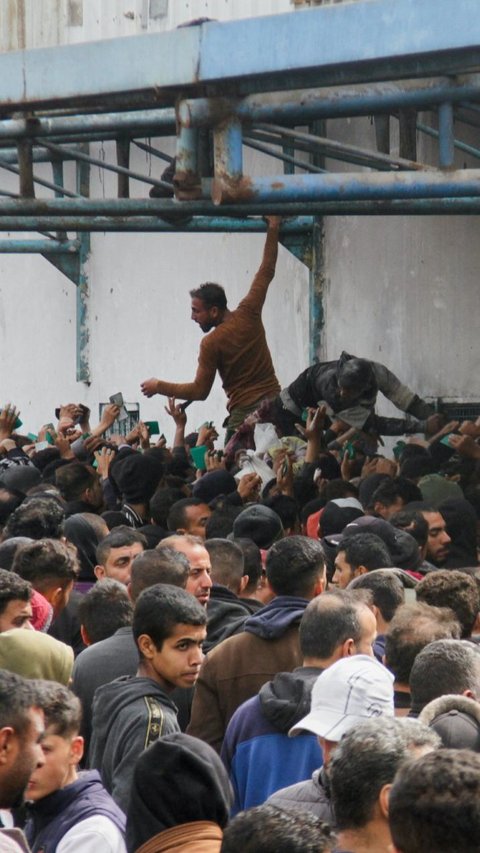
<point x="236" y="345"/>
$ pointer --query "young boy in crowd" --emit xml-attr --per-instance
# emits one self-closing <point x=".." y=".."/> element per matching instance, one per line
<point x="69" y="811"/>
<point x="130" y="713"/>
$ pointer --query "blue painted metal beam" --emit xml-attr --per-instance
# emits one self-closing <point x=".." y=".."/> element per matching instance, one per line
<point x="206" y="224"/>
<point x="302" y="106"/>
<point x="298" y="225"/>
<point x="67" y="247"/>
<point x="150" y="122"/>
<point x="347" y="187"/>
<point x="363" y="41"/>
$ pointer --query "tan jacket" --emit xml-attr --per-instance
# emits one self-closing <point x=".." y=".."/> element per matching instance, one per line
<point x="202" y="836"/>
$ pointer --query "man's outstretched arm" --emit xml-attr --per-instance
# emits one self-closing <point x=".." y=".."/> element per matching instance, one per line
<point x="199" y="389"/>
<point x="266" y="271"/>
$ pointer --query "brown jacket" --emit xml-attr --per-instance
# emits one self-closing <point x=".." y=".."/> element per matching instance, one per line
<point x="199" y="837"/>
<point x="237" y="348"/>
<point x="233" y="672"/>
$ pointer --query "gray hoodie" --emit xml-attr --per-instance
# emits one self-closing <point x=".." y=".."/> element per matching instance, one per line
<point x="128" y="715"/>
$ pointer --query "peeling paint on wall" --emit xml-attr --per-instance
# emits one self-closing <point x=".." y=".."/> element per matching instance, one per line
<point x="75" y="13"/>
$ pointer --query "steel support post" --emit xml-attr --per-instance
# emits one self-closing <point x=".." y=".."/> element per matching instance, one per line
<point x="25" y="163"/>
<point x="228" y="150"/>
<point x="446" y="139"/>
<point x="462" y="146"/>
<point x="83" y="285"/>
<point x="187" y="180"/>
<point x="316" y="290"/>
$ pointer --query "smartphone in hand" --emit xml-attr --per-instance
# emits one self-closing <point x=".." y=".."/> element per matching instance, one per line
<point x="117" y="400"/>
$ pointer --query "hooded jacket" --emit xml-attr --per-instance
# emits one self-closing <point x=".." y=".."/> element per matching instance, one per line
<point x="129" y="714"/>
<point x="257" y="751"/>
<point x="53" y="816"/>
<point x="310" y="796"/>
<point x="236" y="669"/>
<point x="225" y="613"/>
<point x="178" y="780"/>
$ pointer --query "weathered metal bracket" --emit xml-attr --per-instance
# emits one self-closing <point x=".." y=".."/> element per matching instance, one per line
<point x="300" y="245"/>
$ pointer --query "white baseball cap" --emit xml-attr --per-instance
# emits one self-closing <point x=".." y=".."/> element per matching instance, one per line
<point x="352" y="690"/>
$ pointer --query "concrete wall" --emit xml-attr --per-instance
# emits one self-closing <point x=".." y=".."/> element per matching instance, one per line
<point x="404" y="290"/>
<point x="401" y="290"/>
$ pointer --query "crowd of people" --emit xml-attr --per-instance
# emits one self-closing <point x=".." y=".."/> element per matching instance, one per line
<point x="267" y="645"/>
<point x="197" y="642"/>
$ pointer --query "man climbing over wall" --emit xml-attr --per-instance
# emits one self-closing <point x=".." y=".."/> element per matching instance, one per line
<point x="236" y="346"/>
<point x="348" y="388"/>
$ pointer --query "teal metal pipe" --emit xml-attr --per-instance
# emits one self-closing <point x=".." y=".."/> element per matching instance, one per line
<point x="446" y="139"/>
<point x="305" y="105"/>
<point x="347" y="187"/>
<point x="462" y="146"/>
<point x="147" y="121"/>
<point x="228" y="149"/>
<point x="67" y="247"/>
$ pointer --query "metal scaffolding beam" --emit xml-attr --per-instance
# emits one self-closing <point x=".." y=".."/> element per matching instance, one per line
<point x="217" y="88"/>
<point x="365" y="41"/>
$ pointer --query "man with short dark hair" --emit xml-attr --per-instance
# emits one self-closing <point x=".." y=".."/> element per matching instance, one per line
<point x="116" y="552"/>
<point x="413" y="627"/>
<point x="358" y="554"/>
<point x="371" y="754"/>
<point x="68" y="810"/>
<point x="434" y="804"/>
<point x="413" y="522"/>
<point x="51" y="567"/>
<point x="257" y="751"/>
<point x="252" y="560"/>
<point x="236" y="347"/>
<point x="15" y="601"/>
<point x="438" y="541"/>
<point x="130" y="713"/>
<point x="117" y="655"/>
<point x="80" y="486"/>
<point x="156" y="565"/>
<point x="266" y="829"/>
<point x="454" y="589"/>
<point x="37" y="518"/>
<point x="446" y="666"/>
<point x="104" y="609"/>
<point x="386" y="500"/>
<point x="189" y="515"/>
<point x="226" y="611"/>
<point x="21" y="732"/>
<point x="387" y="596"/>
<point x="269" y="643"/>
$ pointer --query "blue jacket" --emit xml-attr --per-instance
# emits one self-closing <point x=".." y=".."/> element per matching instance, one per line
<point x="257" y="751"/>
<point x="51" y="817"/>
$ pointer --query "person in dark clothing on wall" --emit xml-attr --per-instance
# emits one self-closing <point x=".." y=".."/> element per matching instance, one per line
<point x="348" y="388"/>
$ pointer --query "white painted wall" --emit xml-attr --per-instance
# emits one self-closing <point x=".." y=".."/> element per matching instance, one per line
<point x="401" y="290"/>
<point x="139" y="283"/>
